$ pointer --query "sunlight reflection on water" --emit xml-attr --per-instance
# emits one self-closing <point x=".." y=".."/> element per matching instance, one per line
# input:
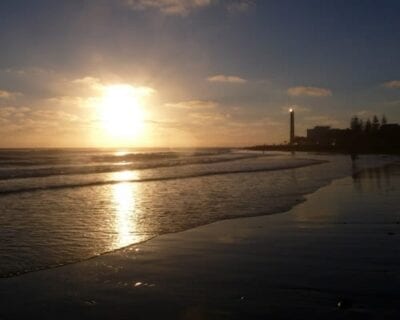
<point x="124" y="198"/>
<point x="124" y="175"/>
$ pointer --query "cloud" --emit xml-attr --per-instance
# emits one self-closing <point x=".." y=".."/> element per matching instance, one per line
<point x="31" y="121"/>
<point x="29" y="72"/>
<point x="68" y="101"/>
<point x="239" y="6"/>
<point x="36" y="82"/>
<point x="395" y="84"/>
<point x="7" y="111"/>
<point x="193" y="105"/>
<point x="205" y="118"/>
<point x="169" y="7"/>
<point x="12" y="117"/>
<point x="185" y="7"/>
<point x="4" y="94"/>
<point x="226" y="79"/>
<point x="56" y="115"/>
<point x="309" y="91"/>
<point x="91" y="82"/>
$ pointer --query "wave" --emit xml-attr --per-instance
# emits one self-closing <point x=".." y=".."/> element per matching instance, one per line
<point x="80" y="184"/>
<point x="43" y="156"/>
<point x="141" y="162"/>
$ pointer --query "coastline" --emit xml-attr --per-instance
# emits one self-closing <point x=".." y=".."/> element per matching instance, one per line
<point x="340" y="245"/>
<point x="328" y="149"/>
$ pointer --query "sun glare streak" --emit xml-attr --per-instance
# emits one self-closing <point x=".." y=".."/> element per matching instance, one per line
<point x="125" y="201"/>
<point x="124" y="176"/>
<point x="121" y="153"/>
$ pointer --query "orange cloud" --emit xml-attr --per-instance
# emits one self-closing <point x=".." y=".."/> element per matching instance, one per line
<point x="226" y="79"/>
<point x="395" y="84"/>
<point x="309" y="91"/>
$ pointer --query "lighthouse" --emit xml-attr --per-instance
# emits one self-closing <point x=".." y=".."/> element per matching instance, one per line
<point x="291" y="140"/>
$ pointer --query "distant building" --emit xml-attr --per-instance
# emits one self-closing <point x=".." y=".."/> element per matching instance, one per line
<point x="318" y="135"/>
<point x="361" y="137"/>
<point x="326" y="136"/>
<point x="390" y="133"/>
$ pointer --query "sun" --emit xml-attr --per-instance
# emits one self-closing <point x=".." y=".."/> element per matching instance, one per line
<point x="121" y="111"/>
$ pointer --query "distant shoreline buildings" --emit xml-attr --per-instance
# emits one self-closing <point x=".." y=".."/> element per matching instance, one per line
<point x="363" y="136"/>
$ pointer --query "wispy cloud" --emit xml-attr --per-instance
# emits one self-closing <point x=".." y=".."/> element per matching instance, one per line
<point x="395" y="84"/>
<point x="4" y="94"/>
<point x="185" y="7"/>
<point x="226" y="79"/>
<point x="88" y="81"/>
<point x="309" y="91"/>
<point x="193" y="105"/>
<point x="29" y="71"/>
<point x="169" y="7"/>
<point x="36" y="82"/>
<point x="240" y="6"/>
<point x="205" y="118"/>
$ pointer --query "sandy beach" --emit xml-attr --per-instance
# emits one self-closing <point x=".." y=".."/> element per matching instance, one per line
<point x="334" y="256"/>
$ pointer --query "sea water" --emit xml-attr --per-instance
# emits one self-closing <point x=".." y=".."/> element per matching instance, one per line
<point x="61" y="206"/>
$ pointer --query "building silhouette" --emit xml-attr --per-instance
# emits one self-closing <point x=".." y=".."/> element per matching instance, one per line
<point x="327" y="136"/>
<point x="362" y="137"/>
<point x="386" y="135"/>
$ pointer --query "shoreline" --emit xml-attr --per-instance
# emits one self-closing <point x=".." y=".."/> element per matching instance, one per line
<point x="238" y="261"/>
<point x="325" y="149"/>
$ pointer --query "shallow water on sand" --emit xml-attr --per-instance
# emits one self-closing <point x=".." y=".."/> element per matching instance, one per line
<point x="66" y="206"/>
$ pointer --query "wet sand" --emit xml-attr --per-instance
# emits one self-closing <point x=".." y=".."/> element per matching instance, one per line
<point x="335" y="256"/>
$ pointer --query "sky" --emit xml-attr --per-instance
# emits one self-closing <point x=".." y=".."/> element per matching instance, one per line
<point x="192" y="73"/>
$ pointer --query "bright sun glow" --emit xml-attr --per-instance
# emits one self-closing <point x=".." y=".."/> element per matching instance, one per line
<point x="122" y="114"/>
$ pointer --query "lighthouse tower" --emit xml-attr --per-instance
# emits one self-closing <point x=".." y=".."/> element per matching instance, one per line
<point x="291" y="140"/>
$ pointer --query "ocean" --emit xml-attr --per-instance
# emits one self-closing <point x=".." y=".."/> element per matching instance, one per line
<point x="60" y="206"/>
